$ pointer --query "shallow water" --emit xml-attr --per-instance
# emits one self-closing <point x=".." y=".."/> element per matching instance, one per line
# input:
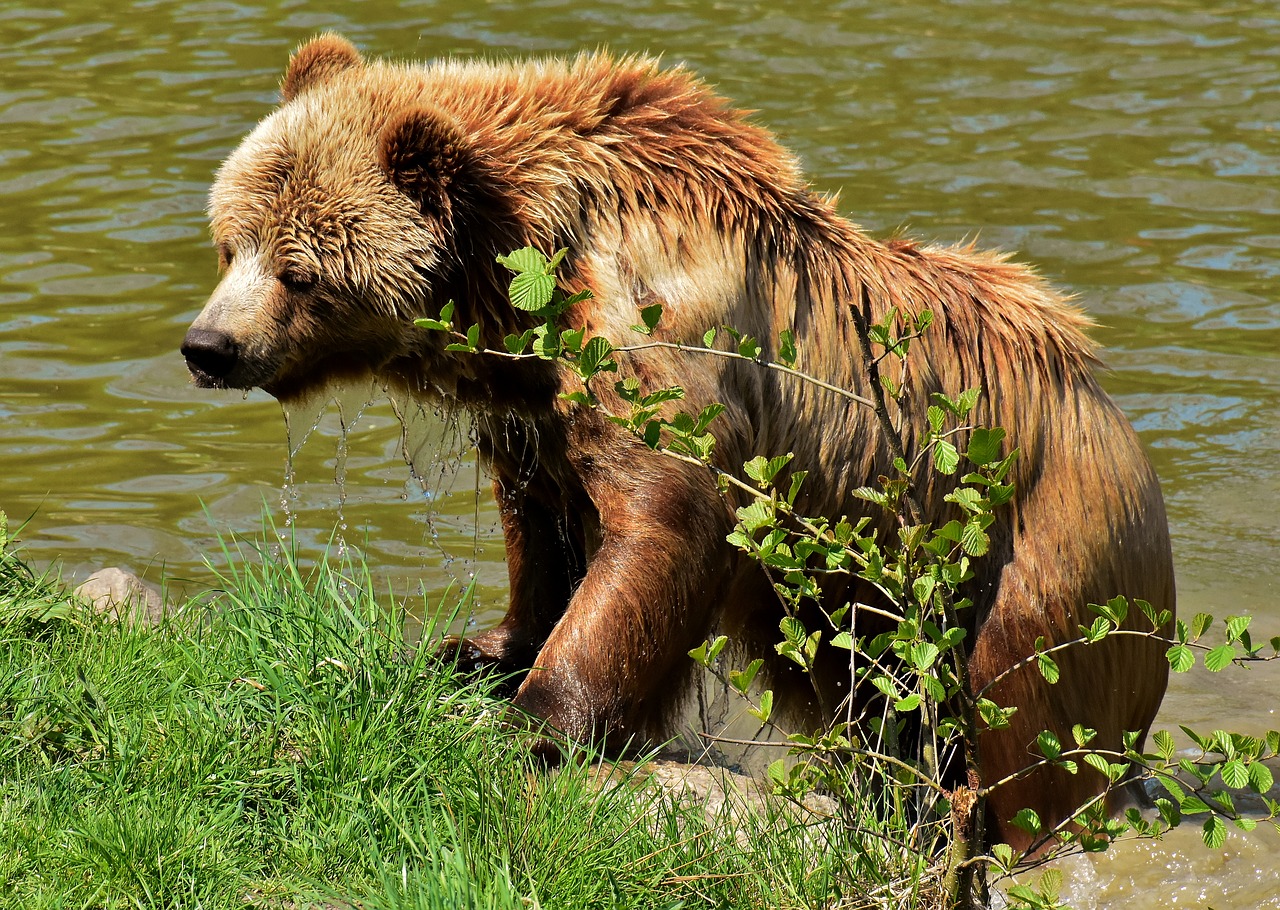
<point x="1130" y="149"/>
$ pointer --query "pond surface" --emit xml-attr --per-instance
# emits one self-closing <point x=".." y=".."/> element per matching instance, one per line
<point x="1130" y="149"/>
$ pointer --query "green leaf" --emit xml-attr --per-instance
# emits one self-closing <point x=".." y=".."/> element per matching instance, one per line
<point x="660" y="396"/>
<point x="595" y="358"/>
<point x="1164" y="744"/>
<point x="1214" y="832"/>
<point x="748" y="348"/>
<point x="1261" y="779"/>
<point x="1227" y="742"/>
<point x="1116" y="610"/>
<point x="786" y="348"/>
<point x="1028" y="821"/>
<point x="531" y="291"/>
<point x="1100" y="629"/>
<point x="545" y="344"/>
<point x="1050" y="747"/>
<point x="649" y="315"/>
<point x="984" y="445"/>
<point x="1204" y="742"/>
<point x="1200" y="624"/>
<point x="1219" y="658"/>
<point x="842" y="640"/>
<point x="1048" y="668"/>
<point x="1028" y="896"/>
<point x="965" y="403"/>
<point x="1181" y="658"/>
<point x="762" y="470"/>
<point x="708" y="414"/>
<point x="966" y="498"/>
<point x="910" y="703"/>
<point x="974" y="539"/>
<point x="571" y="340"/>
<point x="742" y="679"/>
<point x="871" y="494"/>
<point x="793" y="630"/>
<point x="1051" y="886"/>
<point x="765" y="710"/>
<point x="1082" y="735"/>
<point x="797" y="478"/>
<point x="936" y="416"/>
<point x="526" y="259"/>
<point x="1098" y="763"/>
<point x="1193" y="805"/>
<point x="699" y="654"/>
<point x="1236" y="626"/>
<point x="709" y="338"/>
<point x="777" y="772"/>
<point x="998" y="494"/>
<point x="516" y="344"/>
<point x="922" y="655"/>
<point x="946" y="458"/>
<point x="922" y="588"/>
<point x="994" y="716"/>
<point x="1234" y="774"/>
<point x="885" y="685"/>
<point x="952" y="531"/>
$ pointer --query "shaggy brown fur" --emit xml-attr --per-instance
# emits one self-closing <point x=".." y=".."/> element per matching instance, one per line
<point x="377" y="192"/>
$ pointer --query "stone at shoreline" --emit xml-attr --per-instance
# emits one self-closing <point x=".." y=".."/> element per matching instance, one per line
<point x="122" y="596"/>
<point x="719" y="792"/>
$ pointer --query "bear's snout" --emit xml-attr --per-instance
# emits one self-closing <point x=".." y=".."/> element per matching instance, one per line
<point x="211" y="355"/>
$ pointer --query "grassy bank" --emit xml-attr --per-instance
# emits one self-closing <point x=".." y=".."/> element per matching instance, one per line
<point x="278" y="745"/>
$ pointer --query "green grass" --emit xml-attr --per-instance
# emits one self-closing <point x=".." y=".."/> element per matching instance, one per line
<point x="279" y="744"/>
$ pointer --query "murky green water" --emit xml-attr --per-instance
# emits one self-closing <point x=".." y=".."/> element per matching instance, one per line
<point x="1130" y="149"/>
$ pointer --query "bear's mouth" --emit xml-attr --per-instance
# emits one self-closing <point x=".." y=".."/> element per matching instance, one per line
<point x="217" y="360"/>
<point x="202" y="380"/>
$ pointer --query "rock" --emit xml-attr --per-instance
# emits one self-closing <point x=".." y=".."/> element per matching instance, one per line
<point x="122" y="596"/>
<point x="722" y="794"/>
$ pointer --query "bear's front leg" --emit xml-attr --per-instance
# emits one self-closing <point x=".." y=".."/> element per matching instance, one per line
<point x="545" y="560"/>
<point x="614" y="664"/>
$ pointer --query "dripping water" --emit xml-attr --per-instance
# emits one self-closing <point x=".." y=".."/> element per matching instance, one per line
<point x="300" y="421"/>
<point x="345" y="406"/>
<point x="350" y="410"/>
<point x="435" y="443"/>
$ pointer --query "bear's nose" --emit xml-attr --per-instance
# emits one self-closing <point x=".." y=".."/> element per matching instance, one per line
<point x="212" y="353"/>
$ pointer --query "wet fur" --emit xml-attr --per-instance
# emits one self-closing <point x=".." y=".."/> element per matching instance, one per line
<point x="379" y="191"/>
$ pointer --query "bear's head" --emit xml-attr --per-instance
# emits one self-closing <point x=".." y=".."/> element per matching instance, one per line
<point x="337" y="221"/>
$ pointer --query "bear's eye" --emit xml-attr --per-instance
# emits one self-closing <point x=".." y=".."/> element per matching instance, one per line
<point x="225" y="255"/>
<point x="296" y="280"/>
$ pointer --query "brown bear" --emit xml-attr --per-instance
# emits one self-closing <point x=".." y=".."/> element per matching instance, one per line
<point x="377" y="192"/>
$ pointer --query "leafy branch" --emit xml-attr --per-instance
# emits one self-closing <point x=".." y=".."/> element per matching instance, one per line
<point x="919" y="664"/>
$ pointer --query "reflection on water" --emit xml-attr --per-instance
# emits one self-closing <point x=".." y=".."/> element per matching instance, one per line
<point x="1128" y="148"/>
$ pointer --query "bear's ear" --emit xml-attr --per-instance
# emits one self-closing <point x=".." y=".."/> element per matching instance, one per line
<point x="319" y="60"/>
<point x="427" y="158"/>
